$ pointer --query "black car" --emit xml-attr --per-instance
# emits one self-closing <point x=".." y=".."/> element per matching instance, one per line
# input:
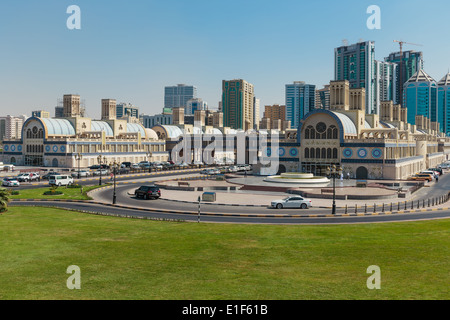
<point x="148" y="192"/>
<point x="126" y="164"/>
<point x="48" y="175"/>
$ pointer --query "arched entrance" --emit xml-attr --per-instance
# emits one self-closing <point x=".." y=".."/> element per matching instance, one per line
<point x="55" y="163"/>
<point x="362" y="173"/>
<point x="13" y="160"/>
<point x="281" y="169"/>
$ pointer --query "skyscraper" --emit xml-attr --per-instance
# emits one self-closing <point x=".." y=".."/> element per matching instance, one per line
<point x="300" y="99"/>
<point x="356" y="64"/>
<point x="256" y="116"/>
<point x="420" y="97"/>
<point x="386" y="82"/>
<point x="444" y="103"/>
<point x="195" y="104"/>
<point x="238" y="104"/>
<point x="411" y="63"/>
<point x="178" y="96"/>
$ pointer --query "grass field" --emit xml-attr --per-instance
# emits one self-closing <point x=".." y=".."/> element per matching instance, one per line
<point x="142" y="259"/>
<point x="68" y="193"/>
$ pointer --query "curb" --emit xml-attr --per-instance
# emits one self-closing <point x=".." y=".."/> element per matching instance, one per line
<point x="235" y="214"/>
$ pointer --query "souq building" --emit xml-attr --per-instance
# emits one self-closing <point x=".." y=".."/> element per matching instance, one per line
<point x="57" y="142"/>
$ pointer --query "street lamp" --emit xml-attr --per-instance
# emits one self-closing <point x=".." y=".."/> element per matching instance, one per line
<point x="78" y="158"/>
<point x="333" y="170"/>
<point x="149" y="156"/>
<point x="100" y="160"/>
<point x="114" y="166"/>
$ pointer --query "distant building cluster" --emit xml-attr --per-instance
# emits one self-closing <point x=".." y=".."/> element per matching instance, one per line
<point x="377" y="119"/>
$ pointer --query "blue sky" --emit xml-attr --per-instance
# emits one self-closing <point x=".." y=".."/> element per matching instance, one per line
<point x="130" y="50"/>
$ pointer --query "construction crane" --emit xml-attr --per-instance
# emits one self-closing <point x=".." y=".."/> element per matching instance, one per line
<point x="401" y="43"/>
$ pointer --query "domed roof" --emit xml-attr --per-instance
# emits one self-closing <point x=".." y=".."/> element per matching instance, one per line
<point x="151" y="134"/>
<point x="102" y="126"/>
<point x="136" y="127"/>
<point x="58" y="127"/>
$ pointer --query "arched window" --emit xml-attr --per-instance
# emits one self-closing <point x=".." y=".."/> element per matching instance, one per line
<point x="335" y="153"/>
<point x="329" y="153"/>
<point x="318" y="153"/>
<point x="309" y="133"/>
<point x="312" y="133"/>
<point x="29" y="133"/>
<point x="307" y="153"/>
<point x="41" y="133"/>
<point x="313" y="155"/>
<point x="332" y="132"/>
<point x="324" y="153"/>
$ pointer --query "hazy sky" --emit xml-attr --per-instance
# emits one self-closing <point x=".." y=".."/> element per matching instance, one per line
<point x="130" y="50"/>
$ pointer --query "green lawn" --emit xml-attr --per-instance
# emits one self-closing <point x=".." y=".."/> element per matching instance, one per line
<point x="68" y="193"/>
<point x="142" y="259"/>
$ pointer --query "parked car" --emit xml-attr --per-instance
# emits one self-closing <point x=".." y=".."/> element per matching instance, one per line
<point x="292" y="202"/>
<point x="148" y="192"/>
<point x="83" y="173"/>
<point x="10" y="182"/>
<point x="422" y="177"/>
<point x="445" y="165"/>
<point x="430" y="172"/>
<point x="439" y="170"/>
<point x="102" y="172"/>
<point x="48" y="175"/>
<point x="126" y="164"/>
<point x="27" y="177"/>
<point x="60" y="180"/>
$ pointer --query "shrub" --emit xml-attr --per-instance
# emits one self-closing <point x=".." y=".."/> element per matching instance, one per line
<point x="74" y="186"/>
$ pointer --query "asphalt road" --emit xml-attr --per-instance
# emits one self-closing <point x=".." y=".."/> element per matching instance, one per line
<point x="164" y="209"/>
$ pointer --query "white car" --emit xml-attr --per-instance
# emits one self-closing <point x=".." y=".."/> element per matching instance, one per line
<point x="10" y="182"/>
<point x="83" y="173"/>
<point x="102" y="172"/>
<point x="292" y="202"/>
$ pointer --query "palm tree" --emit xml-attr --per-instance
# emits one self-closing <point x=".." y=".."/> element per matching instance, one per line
<point x="4" y="199"/>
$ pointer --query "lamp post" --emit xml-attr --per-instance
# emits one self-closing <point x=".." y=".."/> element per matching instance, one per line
<point x="100" y="160"/>
<point x="149" y="156"/>
<point x="333" y="170"/>
<point x="78" y="158"/>
<point x="114" y="166"/>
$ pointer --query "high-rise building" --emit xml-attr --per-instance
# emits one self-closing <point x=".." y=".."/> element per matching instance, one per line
<point x="195" y="104"/>
<point x="300" y="99"/>
<point x="356" y="64"/>
<point x="59" y="112"/>
<point x="256" y="114"/>
<point x="126" y="109"/>
<point x="274" y="112"/>
<point x="411" y="63"/>
<point x="323" y="98"/>
<point x="157" y="119"/>
<point x="385" y="82"/>
<point x="238" y="104"/>
<point x="444" y="103"/>
<point x="11" y="127"/>
<point x="178" y="96"/>
<point x="420" y="97"/>
<point x="40" y="114"/>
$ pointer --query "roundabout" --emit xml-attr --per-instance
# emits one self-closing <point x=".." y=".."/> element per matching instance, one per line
<point x="299" y="179"/>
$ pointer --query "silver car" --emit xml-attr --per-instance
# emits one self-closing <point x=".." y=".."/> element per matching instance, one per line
<point x="292" y="202"/>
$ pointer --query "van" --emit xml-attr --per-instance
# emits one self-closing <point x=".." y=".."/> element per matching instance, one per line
<point x="60" y="180"/>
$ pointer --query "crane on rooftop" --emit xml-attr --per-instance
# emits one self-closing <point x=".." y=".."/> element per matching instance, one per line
<point x="401" y="43"/>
